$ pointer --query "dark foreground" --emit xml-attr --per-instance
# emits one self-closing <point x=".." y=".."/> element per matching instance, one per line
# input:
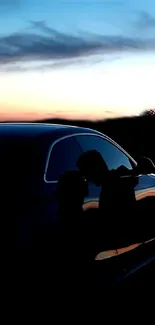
<point x="40" y="273"/>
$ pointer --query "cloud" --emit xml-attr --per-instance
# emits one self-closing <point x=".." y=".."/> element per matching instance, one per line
<point x="43" y="43"/>
<point x="145" y="21"/>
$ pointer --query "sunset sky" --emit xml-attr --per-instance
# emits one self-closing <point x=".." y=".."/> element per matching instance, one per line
<point x="76" y="58"/>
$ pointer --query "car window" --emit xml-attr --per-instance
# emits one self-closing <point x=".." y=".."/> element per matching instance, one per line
<point x="113" y="156"/>
<point x="64" y="156"/>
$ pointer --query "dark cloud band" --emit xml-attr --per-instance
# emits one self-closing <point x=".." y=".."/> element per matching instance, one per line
<point x="45" y="43"/>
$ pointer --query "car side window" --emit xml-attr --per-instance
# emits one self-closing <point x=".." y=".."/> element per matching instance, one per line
<point x="64" y="156"/>
<point x="112" y="155"/>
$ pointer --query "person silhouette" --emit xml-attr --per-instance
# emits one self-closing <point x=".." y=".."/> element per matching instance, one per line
<point x="71" y="191"/>
<point x="117" y="190"/>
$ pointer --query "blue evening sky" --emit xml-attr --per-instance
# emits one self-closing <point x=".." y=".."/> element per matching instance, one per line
<point x="69" y="43"/>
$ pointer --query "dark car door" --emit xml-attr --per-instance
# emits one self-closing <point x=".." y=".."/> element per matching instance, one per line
<point x="144" y="190"/>
<point x="61" y="157"/>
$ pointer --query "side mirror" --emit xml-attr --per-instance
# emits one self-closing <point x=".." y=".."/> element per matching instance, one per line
<point x="145" y="166"/>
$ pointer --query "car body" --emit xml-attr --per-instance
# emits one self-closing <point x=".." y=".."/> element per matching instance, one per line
<point x="34" y="155"/>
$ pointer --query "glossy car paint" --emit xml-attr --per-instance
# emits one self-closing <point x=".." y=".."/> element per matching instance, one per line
<point x="41" y="200"/>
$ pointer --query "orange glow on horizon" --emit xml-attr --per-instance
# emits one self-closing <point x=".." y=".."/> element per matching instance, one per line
<point x="107" y="90"/>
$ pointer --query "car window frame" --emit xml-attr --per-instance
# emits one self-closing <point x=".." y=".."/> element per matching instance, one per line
<point x="104" y="137"/>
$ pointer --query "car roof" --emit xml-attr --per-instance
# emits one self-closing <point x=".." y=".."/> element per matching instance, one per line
<point x="43" y="135"/>
<point x="47" y="132"/>
<point x="38" y="129"/>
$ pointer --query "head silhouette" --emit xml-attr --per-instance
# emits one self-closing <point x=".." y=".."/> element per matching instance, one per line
<point x="92" y="166"/>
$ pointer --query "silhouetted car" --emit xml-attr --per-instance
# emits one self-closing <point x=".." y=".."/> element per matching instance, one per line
<point x="33" y="156"/>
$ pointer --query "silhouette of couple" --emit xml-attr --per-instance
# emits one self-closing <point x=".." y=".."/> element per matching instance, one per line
<point x="87" y="233"/>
